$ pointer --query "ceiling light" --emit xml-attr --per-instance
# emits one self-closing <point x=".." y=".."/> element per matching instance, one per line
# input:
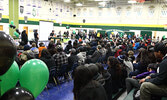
<point x="67" y="0"/>
<point x="132" y="1"/>
<point x="102" y="3"/>
<point x="79" y="4"/>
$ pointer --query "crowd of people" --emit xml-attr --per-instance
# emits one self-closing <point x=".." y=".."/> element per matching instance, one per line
<point x="106" y="65"/>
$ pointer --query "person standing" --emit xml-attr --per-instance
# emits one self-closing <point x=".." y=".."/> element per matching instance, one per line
<point x="24" y="37"/>
<point x="36" y="37"/>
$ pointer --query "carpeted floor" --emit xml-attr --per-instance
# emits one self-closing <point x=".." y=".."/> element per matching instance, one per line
<point x="60" y="92"/>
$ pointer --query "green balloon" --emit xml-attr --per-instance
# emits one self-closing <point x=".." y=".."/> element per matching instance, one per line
<point x="12" y="22"/>
<point x="16" y="34"/>
<point x="34" y="76"/>
<point x="9" y="79"/>
<point x="74" y="32"/>
<point x="163" y="37"/>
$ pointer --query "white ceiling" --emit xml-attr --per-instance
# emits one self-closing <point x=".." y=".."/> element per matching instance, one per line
<point x="93" y="3"/>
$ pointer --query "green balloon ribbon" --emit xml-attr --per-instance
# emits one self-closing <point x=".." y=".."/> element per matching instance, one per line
<point x="9" y="79"/>
<point x="16" y="34"/>
<point x="34" y="76"/>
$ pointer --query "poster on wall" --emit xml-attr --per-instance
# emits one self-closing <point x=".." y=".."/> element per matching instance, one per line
<point x="1" y="5"/>
<point x="22" y="2"/>
<point x="28" y="10"/>
<point x="21" y="9"/>
<point x="34" y="3"/>
<point x="39" y="4"/>
<point x="28" y="2"/>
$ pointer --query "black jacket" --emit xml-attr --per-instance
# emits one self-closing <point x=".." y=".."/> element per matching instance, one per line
<point x="116" y="81"/>
<point x="71" y="60"/>
<point x="92" y="91"/>
<point x="49" y="61"/>
<point x="24" y="37"/>
<point x="68" y="47"/>
<point x="161" y="78"/>
<point x="95" y="56"/>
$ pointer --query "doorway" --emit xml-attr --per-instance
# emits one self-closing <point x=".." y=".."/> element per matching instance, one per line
<point x="1" y="27"/>
<point x="26" y="28"/>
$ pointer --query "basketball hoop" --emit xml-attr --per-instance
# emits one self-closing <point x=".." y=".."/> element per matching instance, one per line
<point x="138" y="5"/>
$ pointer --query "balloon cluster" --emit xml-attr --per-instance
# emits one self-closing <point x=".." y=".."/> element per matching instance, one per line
<point x="12" y="25"/>
<point x="10" y="74"/>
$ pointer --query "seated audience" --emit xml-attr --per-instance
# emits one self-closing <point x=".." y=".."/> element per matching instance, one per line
<point x="41" y="47"/>
<point x="156" y="84"/>
<point x="96" y="55"/>
<point x="85" y="88"/>
<point x="51" y="48"/>
<point x="81" y="56"/>
<point x="72" y="59"/>
<point x="60" y="57"/>
<point x="47" y="58"/>
<point x="68" y="47"/>
<point x="114" y="68"/>
<point x="134" y="81"/>
<point x="34" y="49"/>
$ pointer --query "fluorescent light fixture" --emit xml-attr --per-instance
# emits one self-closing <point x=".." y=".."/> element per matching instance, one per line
<point x="67" y="0"/>
<point x="102" y="3"/>
<point x="132" y="1"/>
<point x="79" y="4"/>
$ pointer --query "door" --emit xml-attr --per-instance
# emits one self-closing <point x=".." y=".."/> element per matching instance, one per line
<point x="26" y="28"/>
<point x="148" y="33"/>
<point x="1" y="27"/>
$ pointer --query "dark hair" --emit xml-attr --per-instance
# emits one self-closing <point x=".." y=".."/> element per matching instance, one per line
<point x="100" y="67"/>
<point x="115" y="64"/>
<point x="41" y="44"/>
<point x="143" y="58"/>
<point x="69" y="42"/>
<point x="161" y="47"/>
<point x="45" y="53"/>
<point x="93" y="68"/>
<point x="51" y="45"/>
<point x="153" y="66"/>
<point x="82" y="76"/>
